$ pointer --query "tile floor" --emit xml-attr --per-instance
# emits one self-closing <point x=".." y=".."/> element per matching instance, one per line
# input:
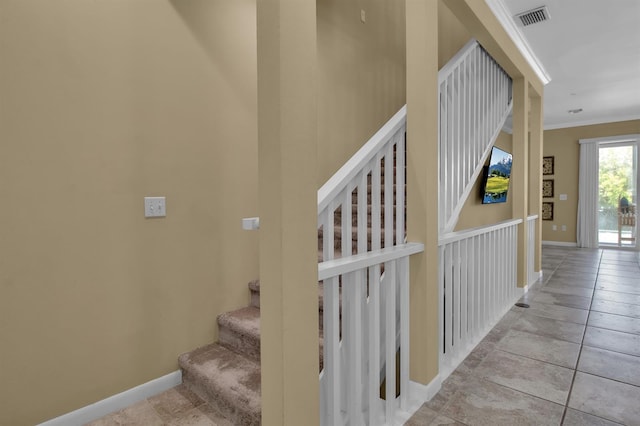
<point x="571" y="358"/>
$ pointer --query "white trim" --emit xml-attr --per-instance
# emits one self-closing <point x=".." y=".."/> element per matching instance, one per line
<point x="330" y="190"/>
<point x="117" y="402"/>
<point x="345" y="265"/>
<point x="592" y="122"/>
<point x="534" y="278"/>
<point x="418" y="395"/>
<point x="457" y="59"/>
<point x="451" y="237"/>
<point x="613" y="139"/>
<point x="559" y="243"/>
<point x="504" y="16"/>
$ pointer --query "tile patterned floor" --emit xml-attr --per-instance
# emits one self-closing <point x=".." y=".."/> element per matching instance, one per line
<point x="572" y="358"/>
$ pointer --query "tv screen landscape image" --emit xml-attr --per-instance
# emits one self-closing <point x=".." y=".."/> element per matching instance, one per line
<point x="496" y="184"/>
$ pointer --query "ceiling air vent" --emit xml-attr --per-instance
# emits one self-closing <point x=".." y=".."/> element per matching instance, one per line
<point x="533" y="16"/>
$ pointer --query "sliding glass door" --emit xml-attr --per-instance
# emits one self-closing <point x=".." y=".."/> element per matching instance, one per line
<point x="618" y="194"/>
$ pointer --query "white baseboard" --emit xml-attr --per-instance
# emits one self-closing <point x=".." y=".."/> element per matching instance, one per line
<point x="532" y="281"/>
<point x="419" y="394"/>
<point x="117" y="402"/>
<point x="559" y="243"/>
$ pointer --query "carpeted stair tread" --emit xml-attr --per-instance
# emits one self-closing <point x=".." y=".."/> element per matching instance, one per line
<point x="225" y="379"/>
<point x="240" y="331"/>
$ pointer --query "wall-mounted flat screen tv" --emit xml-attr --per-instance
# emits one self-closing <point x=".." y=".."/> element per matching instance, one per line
<point x="497" y="176"/>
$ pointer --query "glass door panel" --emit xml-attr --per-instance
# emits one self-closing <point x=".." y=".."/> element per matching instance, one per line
<point x="617" y="195"/>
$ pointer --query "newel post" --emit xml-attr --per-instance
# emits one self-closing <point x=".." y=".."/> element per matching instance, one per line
<point x="535" y="172"/>
<point x="287" y="160"/>
<point x="422" y="184"/>
<point x="520" y="174"/>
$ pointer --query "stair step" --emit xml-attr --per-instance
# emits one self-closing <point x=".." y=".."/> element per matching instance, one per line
<point x="354" y="197"/>
<point x="239" y="330"/>
<point x="337" y="218"/>
<point x="227" y="380"/>
<point x="253" y="312"/>
<point x="337" y="238"/>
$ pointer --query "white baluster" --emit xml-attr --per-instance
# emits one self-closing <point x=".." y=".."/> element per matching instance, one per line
<point x="464" y="309"/>
<point x="404" y="331"/>
<point x="390" y="340"/>
<point x="331" y="359"/>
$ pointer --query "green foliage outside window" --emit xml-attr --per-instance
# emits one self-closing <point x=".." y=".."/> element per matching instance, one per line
<point x="616" y="175"/>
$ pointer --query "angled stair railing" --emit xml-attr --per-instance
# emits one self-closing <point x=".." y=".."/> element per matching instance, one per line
<point x="361" y="222"/>
<point x="475" y="101"/>
<point x="477" y="267"/>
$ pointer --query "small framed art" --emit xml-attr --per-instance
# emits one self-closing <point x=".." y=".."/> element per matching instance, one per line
<point x="547" y="188"/>
<point x="547" y="165"/>
<point x="547" y="211"/>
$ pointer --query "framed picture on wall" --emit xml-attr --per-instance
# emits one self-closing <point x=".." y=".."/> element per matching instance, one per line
<point x="547" y="188"/>
<point x="547" y="211"/>
<point x="547" y="165"/>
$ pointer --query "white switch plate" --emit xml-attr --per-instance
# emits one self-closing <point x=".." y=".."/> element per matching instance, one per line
<point x="250" y="223"/>
<point x="155" y="207"/>
<point x="563" y="197"/>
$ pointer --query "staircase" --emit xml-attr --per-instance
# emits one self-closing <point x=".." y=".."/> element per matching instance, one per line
<point x="364" y="263"/>
<point x="226" y="374"/>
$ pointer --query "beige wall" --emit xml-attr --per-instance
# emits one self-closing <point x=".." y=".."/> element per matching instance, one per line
<point x="474" y="213"/>
<point x="101" y="104"/>
<point x="361" y="75"/>
<point x="563" y="145"/>
<point x="452" y="35"/>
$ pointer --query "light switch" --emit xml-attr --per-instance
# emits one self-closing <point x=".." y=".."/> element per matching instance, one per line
<point x="251" y="223"/>
<point x="563" y="197"/>
<point x="155" y="207"/>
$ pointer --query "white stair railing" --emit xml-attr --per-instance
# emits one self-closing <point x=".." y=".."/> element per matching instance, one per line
<point x="475" y="100"/>
<point x="365" y="312"/>
<point x="478" y="285"/>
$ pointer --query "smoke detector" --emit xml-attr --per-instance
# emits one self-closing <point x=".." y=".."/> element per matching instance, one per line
<point x="533" y="16"/>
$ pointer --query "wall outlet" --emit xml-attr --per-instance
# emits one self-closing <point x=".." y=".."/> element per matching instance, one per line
<point x="155" y="207"/>
<point x="564" y="227"/>
<point x="554" y="227"/>
<point x="563" y="197"/>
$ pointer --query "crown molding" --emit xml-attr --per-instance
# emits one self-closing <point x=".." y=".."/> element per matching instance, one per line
<point x="591" y="122"/>
<point x="504" y="17"/>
